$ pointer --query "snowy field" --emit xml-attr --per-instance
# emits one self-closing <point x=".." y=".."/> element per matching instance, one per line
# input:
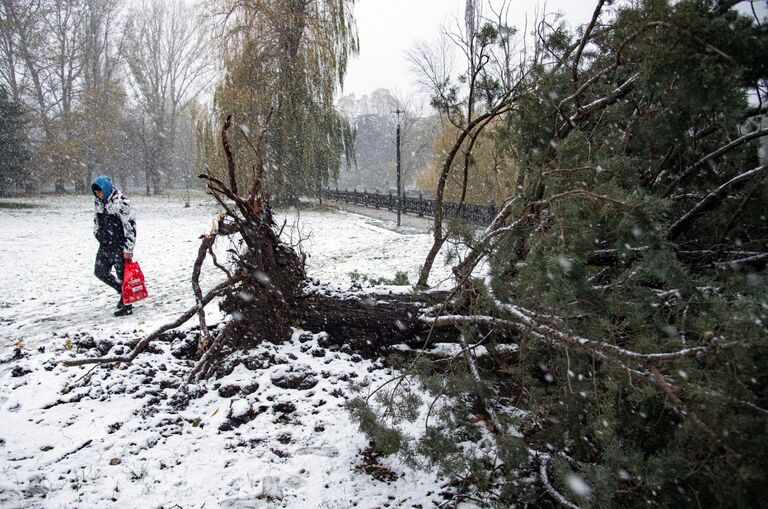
<point x="113" y="436"/>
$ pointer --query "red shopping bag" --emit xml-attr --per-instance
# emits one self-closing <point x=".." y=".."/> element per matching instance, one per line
<point x="134" y="288"/>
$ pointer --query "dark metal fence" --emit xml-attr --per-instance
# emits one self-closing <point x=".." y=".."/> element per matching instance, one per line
<point x="475" y="214"/>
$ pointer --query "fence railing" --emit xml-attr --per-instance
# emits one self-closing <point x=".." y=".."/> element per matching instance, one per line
<point x="475" y="214"/>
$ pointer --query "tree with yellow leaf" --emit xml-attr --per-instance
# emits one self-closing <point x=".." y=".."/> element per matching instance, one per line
<point x="491" y="173"/>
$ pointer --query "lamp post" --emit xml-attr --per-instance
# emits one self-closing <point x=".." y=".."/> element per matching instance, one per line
<point x="399" y="198"/>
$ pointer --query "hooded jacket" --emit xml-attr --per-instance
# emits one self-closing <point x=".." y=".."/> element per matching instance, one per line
<point x="114" y="224"/>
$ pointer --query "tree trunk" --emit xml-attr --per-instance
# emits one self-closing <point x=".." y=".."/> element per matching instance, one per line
<point x="372" y="324"/>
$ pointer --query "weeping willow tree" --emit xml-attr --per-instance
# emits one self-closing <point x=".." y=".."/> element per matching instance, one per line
<point x="284" y="60"/>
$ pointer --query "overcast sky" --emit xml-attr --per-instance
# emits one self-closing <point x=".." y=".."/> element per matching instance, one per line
<point x="389" y="28"/>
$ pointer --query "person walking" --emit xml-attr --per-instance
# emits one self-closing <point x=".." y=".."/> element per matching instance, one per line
<point x="114" y="226"/>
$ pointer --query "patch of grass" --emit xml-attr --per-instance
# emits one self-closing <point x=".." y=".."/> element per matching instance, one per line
<point x="17" y="205"/>
<point x="400" y="279"/>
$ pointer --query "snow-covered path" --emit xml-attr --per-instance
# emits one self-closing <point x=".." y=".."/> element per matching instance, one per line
<point x="116" y="437"/>
<point x="47" y="258"/>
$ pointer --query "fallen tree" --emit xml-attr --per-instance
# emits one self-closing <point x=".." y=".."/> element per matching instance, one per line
<point x="266" y="290"/>
<point x="639" y="320"/>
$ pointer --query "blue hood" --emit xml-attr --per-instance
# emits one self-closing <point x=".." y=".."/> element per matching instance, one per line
<point x="104" y="184"/>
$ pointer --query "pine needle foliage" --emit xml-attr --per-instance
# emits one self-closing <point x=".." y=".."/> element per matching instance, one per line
<point x="641" y="230"/>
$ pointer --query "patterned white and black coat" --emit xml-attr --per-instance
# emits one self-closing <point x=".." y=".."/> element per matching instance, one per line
<point x="114" y="223"/>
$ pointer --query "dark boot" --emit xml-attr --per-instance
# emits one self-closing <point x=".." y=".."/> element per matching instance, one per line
<point x="120" y="304"/>
<point x="124" y="311"/>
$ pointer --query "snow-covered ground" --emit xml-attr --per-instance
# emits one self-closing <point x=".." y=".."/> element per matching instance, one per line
<point x="115" y="437"/>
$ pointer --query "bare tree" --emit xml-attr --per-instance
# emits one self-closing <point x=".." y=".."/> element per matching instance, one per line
<point x="21" y="40"/>
<point x="42" y="62"/>
<point x="60" y="58"/>
<point x="470" y="103"/>
<point x="102" y="121"/>
<point x="170" y="64"/>
<point x="15" y="24"/>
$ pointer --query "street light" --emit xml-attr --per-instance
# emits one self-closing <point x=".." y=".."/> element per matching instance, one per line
<point x="399" y="198"/>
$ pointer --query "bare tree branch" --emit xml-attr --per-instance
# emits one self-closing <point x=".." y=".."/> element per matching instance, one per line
<point x="747" y="260"/>
<point x="580" y="50"/>
<point x="560" y="499"/>
<point x="205" y="361"/>
<point x="528" y="325"/>
<point x="724" y="6"/>
<point x="501" y="107"/>
<point x="712" y="200"/>
<point x="205" y="246"/>
<point x="683" y="178"/>
<point x="620" y="91"/>
<point x="231" y="167"/>
<point x="142" y="345"/>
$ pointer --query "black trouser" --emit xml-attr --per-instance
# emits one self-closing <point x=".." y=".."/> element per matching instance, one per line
<point x="106" y="258"/>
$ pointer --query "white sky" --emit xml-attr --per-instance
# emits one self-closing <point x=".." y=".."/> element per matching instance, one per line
<point x="389" y="28"/>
